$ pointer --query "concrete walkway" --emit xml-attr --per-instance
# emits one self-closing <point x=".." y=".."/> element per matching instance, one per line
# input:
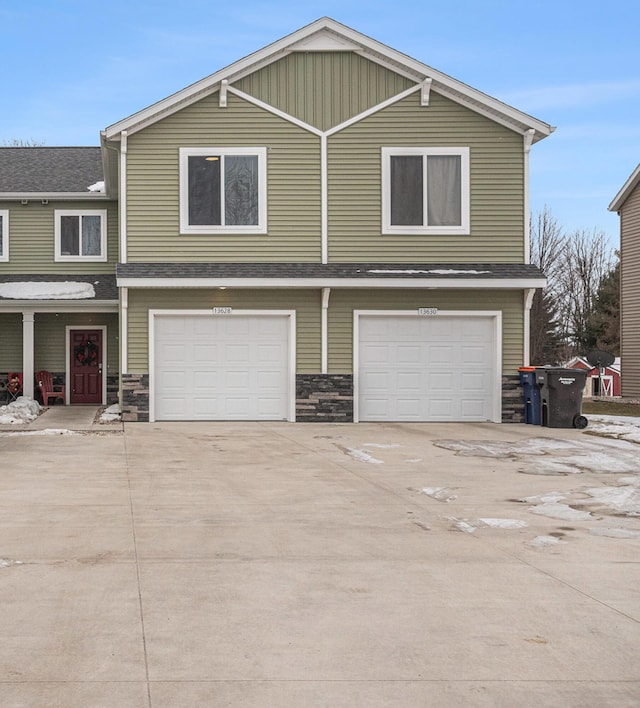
<point x="253" y="565"/>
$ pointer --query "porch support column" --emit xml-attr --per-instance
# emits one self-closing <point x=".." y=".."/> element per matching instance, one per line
<point x="27" y="353"/>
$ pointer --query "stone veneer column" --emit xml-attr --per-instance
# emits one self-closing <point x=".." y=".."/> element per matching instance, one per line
<point x="324" y="398"/>
<point x="135" y="398"/>
<point x="512" y="399"/>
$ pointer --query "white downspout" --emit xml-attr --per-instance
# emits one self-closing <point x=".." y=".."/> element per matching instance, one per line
<point x="526" y="349"/>
<point x="124" y="327"/>
<point x="325" y="331"/>
<point x="528" y="140"/>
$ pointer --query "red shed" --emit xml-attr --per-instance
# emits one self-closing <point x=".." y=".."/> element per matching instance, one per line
<point x="606" y="385"/>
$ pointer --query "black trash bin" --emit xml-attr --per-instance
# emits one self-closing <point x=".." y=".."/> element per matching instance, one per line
<point x="532" y="408"/>
<point x="561" y="396"/>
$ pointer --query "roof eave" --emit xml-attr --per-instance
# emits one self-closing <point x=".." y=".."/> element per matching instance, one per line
<point x="54" y="196"/>
<point x="628" y="187"/>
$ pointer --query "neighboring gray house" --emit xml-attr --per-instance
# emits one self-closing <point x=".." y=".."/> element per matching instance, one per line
<point x="627" y="204"/>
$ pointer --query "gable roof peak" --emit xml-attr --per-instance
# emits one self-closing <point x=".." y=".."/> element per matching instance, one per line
<point x="326" y="34"/>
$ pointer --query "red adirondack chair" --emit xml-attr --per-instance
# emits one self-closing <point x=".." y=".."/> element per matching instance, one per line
<point x="47" y="389"/>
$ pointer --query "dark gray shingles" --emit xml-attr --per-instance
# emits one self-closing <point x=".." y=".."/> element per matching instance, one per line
<point x="451" y="271"/>
<point x="49" y="169"/>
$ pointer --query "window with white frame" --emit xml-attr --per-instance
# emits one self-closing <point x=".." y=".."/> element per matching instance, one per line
<point x="223" y="190"/>
<point x="425" y="190"/>
<point x="81" y="235"/>
<point x="4" y="235"/>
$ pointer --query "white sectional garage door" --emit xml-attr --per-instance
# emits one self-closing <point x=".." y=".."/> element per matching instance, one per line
<point x="439" y="368"/>
<point x="226" y="367"/>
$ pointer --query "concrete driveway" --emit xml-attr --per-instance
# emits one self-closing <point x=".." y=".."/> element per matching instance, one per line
<point x="219" y="564"/>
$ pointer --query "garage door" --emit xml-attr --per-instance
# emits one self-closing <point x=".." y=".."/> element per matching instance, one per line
<point x="433" y="368"/>
<point x="227" y="367"/>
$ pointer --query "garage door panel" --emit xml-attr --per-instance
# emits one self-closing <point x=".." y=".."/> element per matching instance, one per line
<point x="229" y="367"/>
<point x="409" y="381"/>
<point x="423" y="368"/>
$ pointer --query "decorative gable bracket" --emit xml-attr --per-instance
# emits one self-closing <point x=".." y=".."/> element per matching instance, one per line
<point x="224" y="85"/>
<point x="425" y="91"/>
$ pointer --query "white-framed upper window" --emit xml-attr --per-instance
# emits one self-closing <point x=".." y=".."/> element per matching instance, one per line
<point x="4" y="235"/>
<point x="81" y="234"/>
<point x="223" y="190"/>
<point x="425" y="190"/>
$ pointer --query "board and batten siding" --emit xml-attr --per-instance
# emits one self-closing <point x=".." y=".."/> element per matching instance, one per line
<point x="344" y="302"/>
<point x="630" y="294"/>
<point x="497" y="185"/>
<point x="324" y="89"/>
<point x="153" y="186"/>
<point x="306" y="303"/>
<point x="32" y="238"/>
<point x="50" y="338"/>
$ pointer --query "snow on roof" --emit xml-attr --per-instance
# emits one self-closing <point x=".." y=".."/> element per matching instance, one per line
<point x="47" y="290"/>
<point x="442" y="271"/>
<point x="97" y="187"/>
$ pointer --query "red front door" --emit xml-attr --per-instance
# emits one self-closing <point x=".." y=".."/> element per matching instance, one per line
<point x="85" y="367"/>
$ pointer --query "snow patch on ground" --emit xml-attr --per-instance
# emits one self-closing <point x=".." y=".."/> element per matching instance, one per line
<point x="545" y="541"/>
<point x="471" y="527"/>
<point x="110" y="414"/>
<point x="22" y="410"/>
<point x="380" y="446"/>
<point x="615" y="533"/>
<point x="440" y="493"/>
<point x="8" y="563"/>
<point x="362" y="456"/>
<point x="503" y="523"/>
<point x="616" y="426"/>
<point x="46" y="431"/>
<point x="547" y="456"/>
<point x="555" y="510"/>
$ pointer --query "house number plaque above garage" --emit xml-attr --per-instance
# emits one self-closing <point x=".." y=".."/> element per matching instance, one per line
<point x="427" y="310"/>
<point x="221" y="310"/>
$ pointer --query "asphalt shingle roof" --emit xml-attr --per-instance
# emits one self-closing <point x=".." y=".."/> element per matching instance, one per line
<point x="49" y="169"/>
<point x="453" y="271"/>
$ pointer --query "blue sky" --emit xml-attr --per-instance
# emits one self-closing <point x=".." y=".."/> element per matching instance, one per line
<point x="71" y="68"/>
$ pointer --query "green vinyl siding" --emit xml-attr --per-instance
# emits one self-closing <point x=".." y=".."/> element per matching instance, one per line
<point x="306" y="303"/>
<point x="293" y="177"/>
<point x="50" y="338"/>
<point x="496" y="178"/>
<point x="344" y="302"/>
<point x="324" y="89"/>
<point x="32" y="238"/>
<point x="10" y="341"/>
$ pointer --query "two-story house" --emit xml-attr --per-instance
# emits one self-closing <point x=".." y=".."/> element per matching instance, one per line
<point x="627" y="204"/>
<point x="58" y="252"/>
<point x="326" y="229"/>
